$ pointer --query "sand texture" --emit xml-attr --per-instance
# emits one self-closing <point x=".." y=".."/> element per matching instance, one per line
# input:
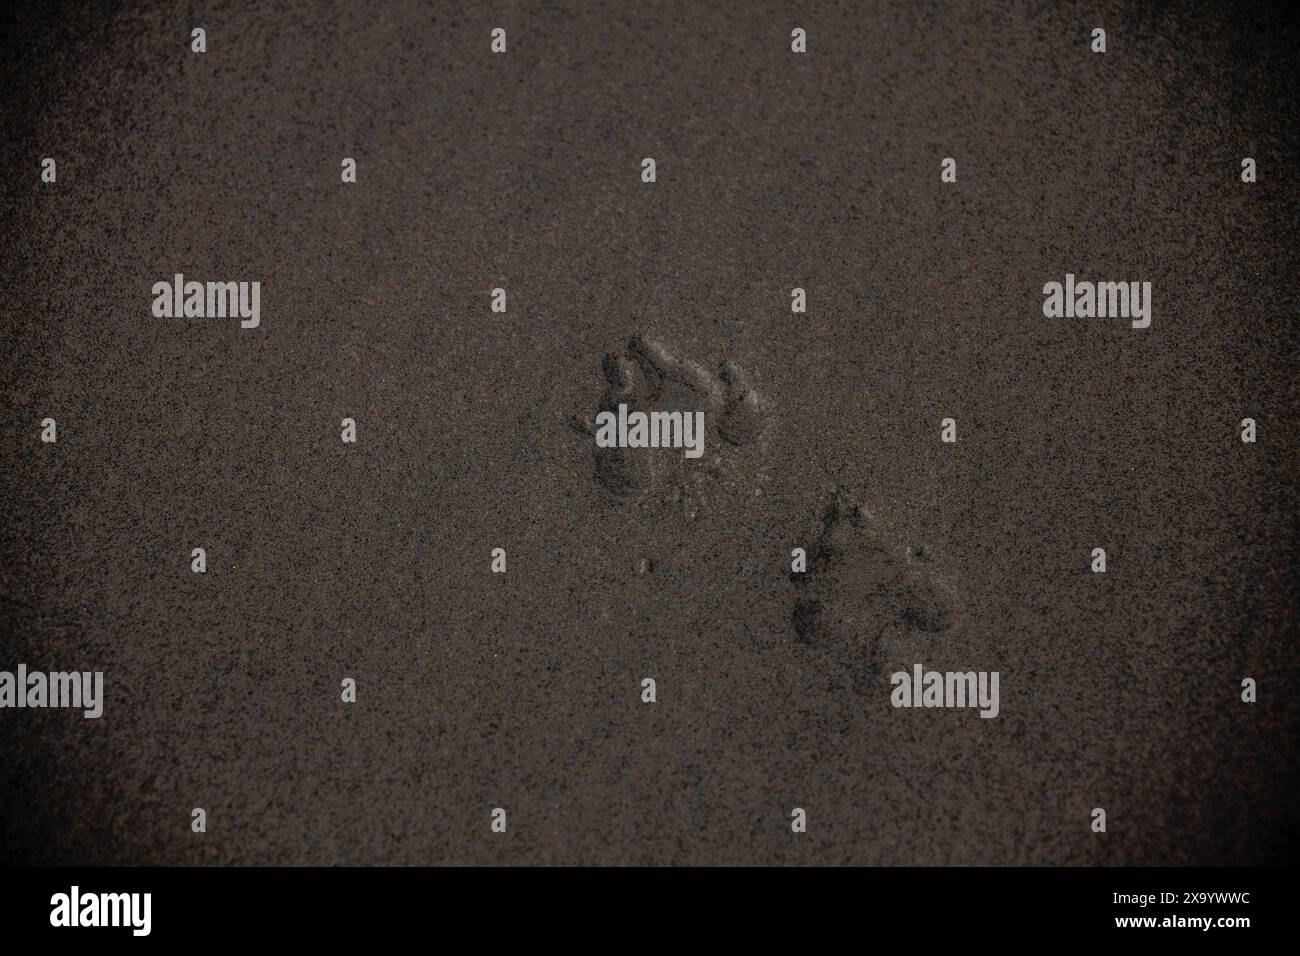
<point x="522" y="690"/>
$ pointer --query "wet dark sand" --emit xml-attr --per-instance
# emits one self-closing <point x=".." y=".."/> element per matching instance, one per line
<point x="522" y="690"/>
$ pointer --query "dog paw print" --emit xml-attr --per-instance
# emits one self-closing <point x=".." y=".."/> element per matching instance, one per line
<point x="648" y="376"/>
<point x="864" y="583"/>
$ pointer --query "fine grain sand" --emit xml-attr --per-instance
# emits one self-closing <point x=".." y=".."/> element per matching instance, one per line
<point x="479" y="690"/>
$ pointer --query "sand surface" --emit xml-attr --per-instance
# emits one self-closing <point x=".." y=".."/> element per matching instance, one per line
<point x="522" y="690"/>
